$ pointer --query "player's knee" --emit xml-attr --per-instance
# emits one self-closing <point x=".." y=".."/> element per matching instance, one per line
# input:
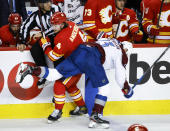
<point x="72" y="89"/>
<point x="59" y="88"/>
<point x="71" y="81"/>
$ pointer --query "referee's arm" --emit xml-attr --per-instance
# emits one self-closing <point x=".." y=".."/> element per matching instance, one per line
<point x="27" y="25"/>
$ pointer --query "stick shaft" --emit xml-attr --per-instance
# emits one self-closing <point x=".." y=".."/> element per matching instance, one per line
<point x="158" y="18"/>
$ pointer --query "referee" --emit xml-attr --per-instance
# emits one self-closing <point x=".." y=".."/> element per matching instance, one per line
<point x="40" y="19"/>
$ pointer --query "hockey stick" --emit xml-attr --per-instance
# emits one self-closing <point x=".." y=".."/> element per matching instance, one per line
<point x="157" y="25"/>
<point x="117" y="29"/>
<point x="118" y="25"/>
<point x="12" y="6"/>
<point x="141" y="78"/>
<point x="40" y="18"/>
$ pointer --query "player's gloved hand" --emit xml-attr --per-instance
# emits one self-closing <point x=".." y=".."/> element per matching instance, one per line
<point x="101" y="34"/>
<point x="44" y="43"/>
<point x="127" y="46"/>
<point x="33" y="40"/>
<point x="127" y="91"/>
<point x="115" y="18"/>
<point x="137" y="36"/>
<point x="153" y="30"/>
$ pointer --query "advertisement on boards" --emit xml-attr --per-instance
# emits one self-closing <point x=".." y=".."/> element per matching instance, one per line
<point x="154" y="86"/>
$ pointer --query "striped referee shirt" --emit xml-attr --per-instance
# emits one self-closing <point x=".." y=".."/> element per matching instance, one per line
<point x="34" y="21"/>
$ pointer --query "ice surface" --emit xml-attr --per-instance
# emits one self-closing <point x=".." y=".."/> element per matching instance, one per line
<point x="118" y="123"/>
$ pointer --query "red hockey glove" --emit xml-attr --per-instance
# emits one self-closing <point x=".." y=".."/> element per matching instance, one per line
<point x="115" y="19"/>
<point x="137" y="36"/>
<point x="154" y="30"/>
<point x="33" y="40"/>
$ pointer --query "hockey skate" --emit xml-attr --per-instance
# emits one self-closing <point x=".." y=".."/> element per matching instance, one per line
<point x="78" y="111"/>
<point x="128" y="91"/>
<point x="42" y="83"/>
<point x="23" y="71"/>
<point x="54" y="116"/>
<point x="97" y="122"/>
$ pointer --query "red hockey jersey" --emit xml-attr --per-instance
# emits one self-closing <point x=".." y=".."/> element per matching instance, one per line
<point x="7" y="37"/>
<point x="98" y="17"/>
<point x="66" y="41"/>
<point x="144" y="6"/>
<point x="151" y="18"/>
<point x="128" y="25"/>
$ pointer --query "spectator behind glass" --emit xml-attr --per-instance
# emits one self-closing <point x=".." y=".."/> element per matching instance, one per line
<point x="18" y="7"/>
<point x="9" y="34"/>
<point x="73" y="9"/>
<point x="158" y="29"/>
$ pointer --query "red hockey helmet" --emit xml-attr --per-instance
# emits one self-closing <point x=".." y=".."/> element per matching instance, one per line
<point x="14" y="18"/>
<point x="58" y="18"/>
<point x="138" y="127"/>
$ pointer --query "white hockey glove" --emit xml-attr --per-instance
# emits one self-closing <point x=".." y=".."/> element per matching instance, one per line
<point x="127" y="46"/>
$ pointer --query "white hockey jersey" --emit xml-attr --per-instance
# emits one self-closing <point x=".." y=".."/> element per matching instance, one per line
<point x="114" y="59"/>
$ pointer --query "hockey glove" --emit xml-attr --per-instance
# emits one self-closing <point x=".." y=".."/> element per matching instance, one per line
<point x="33" y="40"/>
<point x="44" y="43"/>
<point x="153" y="30"/>
<point x="127" y="91"/>
<point x="137" y="36"/>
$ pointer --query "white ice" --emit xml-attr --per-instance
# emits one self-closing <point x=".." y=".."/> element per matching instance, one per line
<point x="118" y="123"/>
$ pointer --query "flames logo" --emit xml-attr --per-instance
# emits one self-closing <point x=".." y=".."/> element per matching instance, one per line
<point x="106" y="14"/>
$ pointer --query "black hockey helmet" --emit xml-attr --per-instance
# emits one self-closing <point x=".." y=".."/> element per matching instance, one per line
<point x="43" y="1"/>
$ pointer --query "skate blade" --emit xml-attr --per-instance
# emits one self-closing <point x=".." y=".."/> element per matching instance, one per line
<point x="93" y="124"/>
<point x="51" y="122"/>
<point x="84" y="115"/>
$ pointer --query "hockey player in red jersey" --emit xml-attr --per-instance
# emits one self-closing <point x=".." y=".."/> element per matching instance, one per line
<point x="158" y="29"/>
<point x="125" y="23"/>
<point x="97" y="18"/>
<point x="68" y="38"/>
<point x="144" y="6"/>
<point x="9" y="34"/>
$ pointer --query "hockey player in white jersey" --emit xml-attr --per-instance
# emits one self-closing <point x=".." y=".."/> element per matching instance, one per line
<point x="115" y="57"/>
